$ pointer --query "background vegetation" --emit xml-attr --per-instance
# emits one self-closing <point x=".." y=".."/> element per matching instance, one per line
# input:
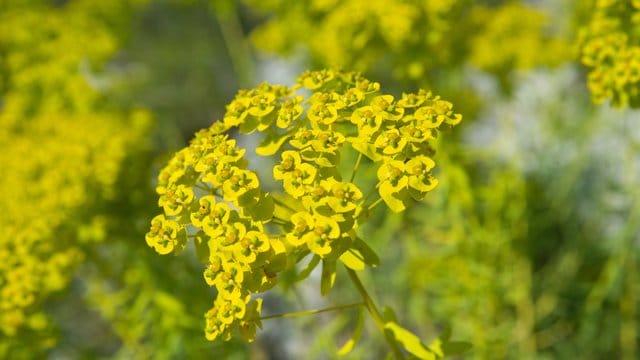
<point x="528" y="247"/>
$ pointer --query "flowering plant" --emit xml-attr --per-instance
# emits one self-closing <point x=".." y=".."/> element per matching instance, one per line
<point x="246" y="236"/>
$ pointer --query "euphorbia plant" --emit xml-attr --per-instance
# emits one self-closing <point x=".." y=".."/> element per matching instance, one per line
<point x="247" y="236"/>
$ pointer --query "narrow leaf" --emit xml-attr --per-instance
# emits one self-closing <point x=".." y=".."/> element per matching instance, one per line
<point x="315" y="260"/>
<point x="369" y="256"/>
<point x="353" y="259"/>
<point x="367" y="149"/>
<point x="328" y="276"/>
<point x="436" y="347"/>
<point x="271" y="144"/>
<point x="409" y="341"/>
<point x="357" y="332"/>
<point x="263" y="209"/>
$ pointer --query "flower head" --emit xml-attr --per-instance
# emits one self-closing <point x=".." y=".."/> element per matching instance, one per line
<point x="208" y="192"/>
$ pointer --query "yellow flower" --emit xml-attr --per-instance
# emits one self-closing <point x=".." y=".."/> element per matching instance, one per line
<point x="219" y="216"/>
<point x="325" y="232"/>
<point x="315" y="79"/>
<point x="239" y="183"/>
<point x="322" y="114"/>
<point x="368" y="119"/>
<point x="418" y="172"/>
<point x="290" y="161"/>
<point x="392" y="182"/>
<point x="391" y="142"/>
<point x="290" y="111"/>
<point x="165" y="235"/>
<point x="251" y="246"/>
<point x="303" y="222"/>
<point x="206" y="204"/>
<point x="262" y="104"/>
<point x="344" y="197"/>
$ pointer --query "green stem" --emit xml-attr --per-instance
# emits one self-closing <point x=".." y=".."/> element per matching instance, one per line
<point x="355" y="167"/>
<point x="369" y="193"/>
<point x="311" y="312"/>
<point x="374" y="204"/>
<point x="226" y="14"/>
<point x="375" y="313"/>
<point x="278" y="221"/>
<point x="283" y="204"/>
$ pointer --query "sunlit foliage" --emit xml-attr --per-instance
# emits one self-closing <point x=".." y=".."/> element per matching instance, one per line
<point x="410" y="38"/>
<point x="610" y="48"/>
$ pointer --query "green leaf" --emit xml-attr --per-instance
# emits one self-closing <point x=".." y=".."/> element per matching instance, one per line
<point x="327" y="159"/>
<point x="315" y="260"/>
<point x="370" y="257"/>
<point x="353" y="259"/>
<point x="436" y="347"/>
<point x="355" y="336"/>
<point x="249" y="125"/>
<point x="271" y="143"/>
<point x="367" y="149"/>
<point x="263" y="209"/>
<point x="287" y="205"/>
<point x="409" y="341"/>
<point x="328" y="276"/>
<point x="249" y="198"/>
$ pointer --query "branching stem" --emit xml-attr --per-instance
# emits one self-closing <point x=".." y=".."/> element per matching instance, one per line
<point x="312" y="312"/>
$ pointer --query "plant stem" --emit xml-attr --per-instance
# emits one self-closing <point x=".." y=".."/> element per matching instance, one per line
<point x="369" y="193"/>
<point x="375" y="313"/>
<point x="278" y="221"/>
<point x="374" y="204"/>
<point x="285" y="205"/>
<point x="238" y="49"/>
<point x="355" y="167"/>
<point x="311" y="312"/>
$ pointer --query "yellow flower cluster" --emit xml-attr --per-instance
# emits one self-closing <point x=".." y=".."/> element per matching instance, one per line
<point x="60" y="157"/>
<point x="513" y="36"/>
<point x="208" y="194"/>
<point x="357" y="33"/>
<point x="207" y="190"/>
<point x="412" y="37"/>
<point x="610" y="48"/>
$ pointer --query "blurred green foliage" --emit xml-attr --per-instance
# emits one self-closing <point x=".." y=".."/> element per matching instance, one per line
<point x="528" y="247"/>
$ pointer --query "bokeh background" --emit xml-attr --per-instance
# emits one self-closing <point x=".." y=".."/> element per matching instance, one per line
<point x="528" y="249"/>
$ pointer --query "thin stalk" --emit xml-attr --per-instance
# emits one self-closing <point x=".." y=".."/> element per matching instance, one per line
<point x="283" y="204"/>
<point x="375" y="313"/>
<point x="279" y="221"/>
<point x="226" y="14"/>
<point x="374" y="204"/>
<point x="355" y="167"/>
<point x="312" y="312"/>
<point x="369" y="193"/>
